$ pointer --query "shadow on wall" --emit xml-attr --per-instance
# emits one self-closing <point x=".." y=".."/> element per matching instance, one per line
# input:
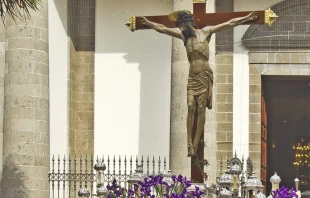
<point x="61" y="7"/>
<point x="13" y="182"/>
<point x="146" y="55"/>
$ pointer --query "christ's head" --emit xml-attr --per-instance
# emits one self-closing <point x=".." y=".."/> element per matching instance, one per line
<point x="186" y="25"/>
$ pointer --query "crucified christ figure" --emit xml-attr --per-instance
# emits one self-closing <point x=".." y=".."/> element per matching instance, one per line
<point x="200" y="79"/>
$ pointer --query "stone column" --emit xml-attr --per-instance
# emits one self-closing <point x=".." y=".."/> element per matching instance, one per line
<point x="26" y="107"/>
<point x="211" y="125"/>
<point x="179" y="162"/>
<point x="2" y="66"/>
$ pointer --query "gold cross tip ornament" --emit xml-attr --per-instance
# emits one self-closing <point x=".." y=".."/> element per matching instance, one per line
<point x="199" y="1"/>
<point x="173" y="16"/>
<point x="131" y="23"/>
<point x="270" y="17"/>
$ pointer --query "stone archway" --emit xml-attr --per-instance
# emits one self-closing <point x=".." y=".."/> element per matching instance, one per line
<point x="290" y="30"/>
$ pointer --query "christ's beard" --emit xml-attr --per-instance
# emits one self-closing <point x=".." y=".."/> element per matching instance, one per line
<point x="188" y="33"/>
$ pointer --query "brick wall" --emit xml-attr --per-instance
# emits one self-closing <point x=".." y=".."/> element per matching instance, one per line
<point x="81" y="19"/>
<point x="224" y="105"/>
<point x="71" y="97"/>
<point x="290" y="30"/>
<point x="224" y="87"/>
<point x="81" y="102"/>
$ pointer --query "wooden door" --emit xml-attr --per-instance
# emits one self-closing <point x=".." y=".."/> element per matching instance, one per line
<point x="263" y="142"/>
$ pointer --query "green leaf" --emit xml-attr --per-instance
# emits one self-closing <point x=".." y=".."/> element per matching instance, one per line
<point x="201" y="141"/>
<point x="18" y="8"/>
<point x="157" y="189"/>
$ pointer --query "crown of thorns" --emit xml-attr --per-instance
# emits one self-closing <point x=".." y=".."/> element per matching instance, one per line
<point x="181" y="16"/>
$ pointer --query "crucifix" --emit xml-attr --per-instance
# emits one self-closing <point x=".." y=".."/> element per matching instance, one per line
<point x="196" y="36"/>
<point x="202" y="19"/>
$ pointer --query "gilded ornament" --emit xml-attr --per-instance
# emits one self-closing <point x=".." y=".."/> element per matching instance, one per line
<point x="131" y="24"/>
<point x="199" y="1"/>
<point x="270" y="16"/>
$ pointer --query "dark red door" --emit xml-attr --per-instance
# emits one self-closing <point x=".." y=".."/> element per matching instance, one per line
<point x="263" y="142"/>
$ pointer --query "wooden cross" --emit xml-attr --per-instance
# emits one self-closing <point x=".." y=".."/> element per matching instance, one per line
<point x="202" y="19"/>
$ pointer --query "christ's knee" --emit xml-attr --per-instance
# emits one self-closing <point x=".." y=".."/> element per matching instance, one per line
<point x="201" y="108"/>
<point x="191" y="107"/>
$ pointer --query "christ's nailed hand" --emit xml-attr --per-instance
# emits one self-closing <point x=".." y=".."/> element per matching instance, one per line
<point x="252" y="16"/>
<point x="143" y="20"/>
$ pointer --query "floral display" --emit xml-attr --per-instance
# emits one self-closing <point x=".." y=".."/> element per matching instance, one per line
<point x="284" y="193"/>
<point x="155" y="186"/>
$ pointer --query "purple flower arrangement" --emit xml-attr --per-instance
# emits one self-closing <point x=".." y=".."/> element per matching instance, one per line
<point x="155" y="186"/>
<point x="284" y="193"/>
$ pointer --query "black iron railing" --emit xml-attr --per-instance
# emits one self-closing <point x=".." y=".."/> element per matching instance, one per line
<point x="69" y="174"/>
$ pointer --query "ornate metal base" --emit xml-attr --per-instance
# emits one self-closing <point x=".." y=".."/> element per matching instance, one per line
<point x="202" y="187"/>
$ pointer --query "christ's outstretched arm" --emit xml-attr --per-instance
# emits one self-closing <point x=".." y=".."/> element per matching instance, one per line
<point x="161" y="28"/>
<point x="232" y="23"/>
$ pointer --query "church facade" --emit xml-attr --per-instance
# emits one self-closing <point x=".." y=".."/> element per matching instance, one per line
<point x="75" y="81"/>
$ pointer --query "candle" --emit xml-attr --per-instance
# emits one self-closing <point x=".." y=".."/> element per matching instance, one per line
<point x="235" y="181"/>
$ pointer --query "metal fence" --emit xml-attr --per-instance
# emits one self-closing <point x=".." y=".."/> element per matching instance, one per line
<point x="69" y="174"/>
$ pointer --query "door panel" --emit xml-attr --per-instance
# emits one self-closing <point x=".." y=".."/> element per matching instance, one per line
<point x="263" y="142"/>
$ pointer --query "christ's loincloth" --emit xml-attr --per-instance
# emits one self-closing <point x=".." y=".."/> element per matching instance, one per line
<point x="200" y="86"/>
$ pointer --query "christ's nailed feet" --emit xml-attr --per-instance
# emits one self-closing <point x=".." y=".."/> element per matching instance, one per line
<point x="191" y="151"/>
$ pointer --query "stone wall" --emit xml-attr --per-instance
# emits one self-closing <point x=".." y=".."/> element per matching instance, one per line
<point x="272" y="63"/>
<point x="71" y="94"/>
<point x="290" y="30"/>
<point x="224" y="105"/>
<point x="81" y="102"/>
<point x="81" y="17"/>
<point x="224" y="88"/>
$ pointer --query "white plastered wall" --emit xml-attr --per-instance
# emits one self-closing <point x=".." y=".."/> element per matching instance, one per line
<point x="58" y="74"/>
<point x="58" y="80"/>
<point x="132" y="81"/>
